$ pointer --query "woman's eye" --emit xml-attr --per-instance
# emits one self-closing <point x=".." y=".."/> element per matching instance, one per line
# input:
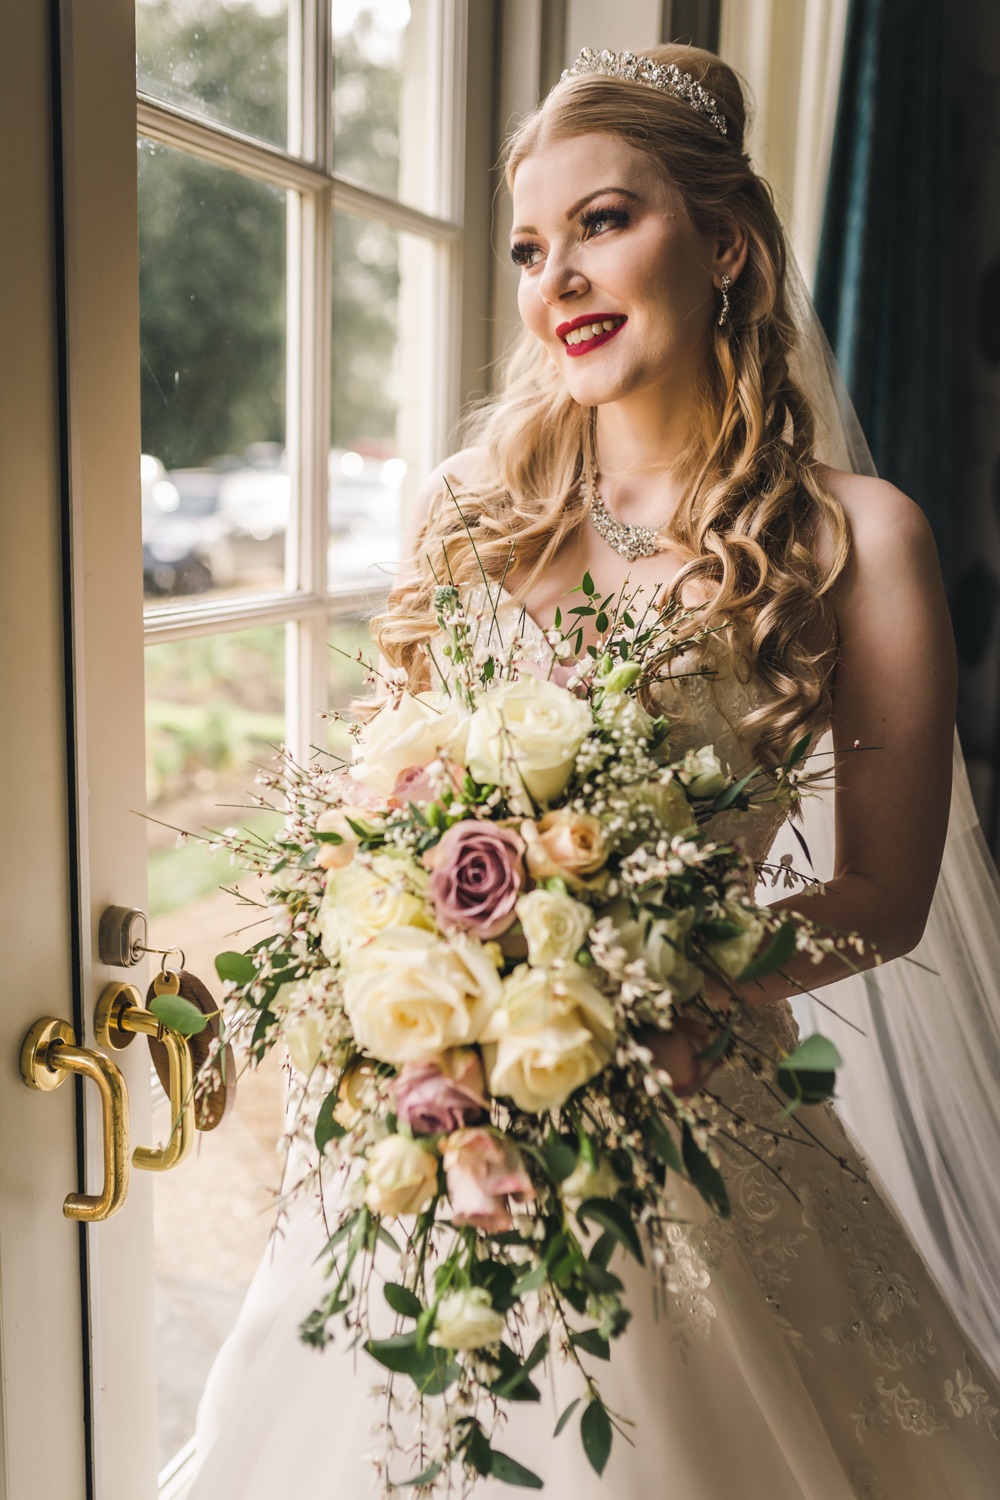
<point x="599" y="221"/>
<point x="525" y="254"/>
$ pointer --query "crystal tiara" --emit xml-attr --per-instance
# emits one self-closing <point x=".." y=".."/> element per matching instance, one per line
<point x="667" y="77"/>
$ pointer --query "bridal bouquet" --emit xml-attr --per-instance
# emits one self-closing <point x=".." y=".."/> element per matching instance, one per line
<point x="507" y="963"/>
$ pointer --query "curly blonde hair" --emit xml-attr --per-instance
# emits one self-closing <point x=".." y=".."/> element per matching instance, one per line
<point x="754" y="506"/>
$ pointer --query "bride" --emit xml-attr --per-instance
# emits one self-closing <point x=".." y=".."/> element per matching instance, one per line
<point x="652" y="426"/>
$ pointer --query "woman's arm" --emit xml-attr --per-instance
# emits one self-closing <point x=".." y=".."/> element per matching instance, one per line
<point x="894" y="690"/>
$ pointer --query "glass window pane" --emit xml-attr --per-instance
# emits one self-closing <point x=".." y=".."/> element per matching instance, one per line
<point x="215" y="485"/>
<point x="386" y="96"/>
<point x="383" y="318"/>
<point x="214" y="711"/>
<point x="346" y="684"/>
<point x="224" y="59"/>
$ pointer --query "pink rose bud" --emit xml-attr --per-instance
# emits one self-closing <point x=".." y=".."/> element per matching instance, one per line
<point x="483" y="1172"/>
<point x="446" y="1095"/>
<point x="477" y="876"/>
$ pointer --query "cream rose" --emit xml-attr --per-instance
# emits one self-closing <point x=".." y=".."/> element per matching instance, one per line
<point x="401" y="1176"/>
<point x="547" y="1037"/>
<point x="624" y="711"/>
<point x="525" y="737"/>
<point x="702" y="773"/>
<point x="555" y="926"/>
<point x="412" y="733"/>
<point x="467" y="1319"/>
<point x="589" y="1180"/>
<point x="566" y="844"/>
<point x="734" y="953"/>
<point x="368" y="897"/>
<point x="409" y="995"/>
<point x="668" y="802"/>
<point x="660" y="942"/>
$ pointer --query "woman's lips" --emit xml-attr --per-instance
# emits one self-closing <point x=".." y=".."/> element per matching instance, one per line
<point x="590" y="333"/>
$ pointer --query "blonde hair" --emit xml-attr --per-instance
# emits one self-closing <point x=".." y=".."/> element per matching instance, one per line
<point x="753" y="507"/>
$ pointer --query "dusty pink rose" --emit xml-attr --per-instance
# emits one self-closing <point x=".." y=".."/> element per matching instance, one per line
<point x="477" y="876"/>
<point x="483" y="1172"/>
<point x="435" y="1097"/>
<point x="416" y="784"/>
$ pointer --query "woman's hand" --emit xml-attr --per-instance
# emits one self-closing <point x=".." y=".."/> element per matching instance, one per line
<point x="676" y="1052"/>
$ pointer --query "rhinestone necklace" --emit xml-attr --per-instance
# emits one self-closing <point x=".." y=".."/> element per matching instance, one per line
<point x="628" y="541"/>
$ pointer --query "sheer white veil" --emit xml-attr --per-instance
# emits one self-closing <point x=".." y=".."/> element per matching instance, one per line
<point x="920" y="1037"/>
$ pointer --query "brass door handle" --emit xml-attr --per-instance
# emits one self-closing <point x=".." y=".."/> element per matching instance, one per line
<point x="49" y="1054"/>
<point x="120" y="1015"/>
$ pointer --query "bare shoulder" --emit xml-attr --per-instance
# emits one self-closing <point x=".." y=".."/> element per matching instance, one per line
<point x="460" y="471"/>
<point x="888" y="530"/>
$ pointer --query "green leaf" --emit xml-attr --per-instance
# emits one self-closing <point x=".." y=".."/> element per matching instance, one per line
<point x="706" y="1178"/>
<point x="798" y="752"/>
<point x="777" y="953"/>
<point x="239" y="967"/>
<point x="595" y="1429"/>
<point x="660" y="1139"/>
<point x="816" y="1054"/>
<point x="806" y="1088"/>
<point x="588" y="586"/>
<point x="431" y="1472"/>
<point x="258" y="1042"/>
<point x="602" y="622"/>
<point x="179" y="1015"/>
<point x="592" y="1341"/>
<point x="560" y="1157"/>
<point x="402" y="1300"/>
<point x="399" y="1353"/>
<point x="616" y="1220"/>
<point x="509" y="1471"/>
<point x="327" y="1128"/>
<point x="513" y="1384"/>
<point x="728" y="796"/>
<point x="538" y="1353"/>
<point x="478" y="1453"/>
<point x="571" y="1408"/>
<point x="328" y="837"/>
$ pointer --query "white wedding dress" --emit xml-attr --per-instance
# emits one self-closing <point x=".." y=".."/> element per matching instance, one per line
<point x="806" y="1353"/>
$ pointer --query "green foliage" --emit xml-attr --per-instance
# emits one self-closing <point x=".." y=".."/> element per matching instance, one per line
<point x="595" y="1429"/>
<point x="212" y="243"/>
<point x="179" y="1014"/>
<point x="809" y="1075"/>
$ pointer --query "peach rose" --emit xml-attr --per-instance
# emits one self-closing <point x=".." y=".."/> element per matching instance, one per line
<point x="564" y="844"/>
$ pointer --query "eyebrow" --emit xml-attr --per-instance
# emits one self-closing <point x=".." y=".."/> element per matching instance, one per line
<point x="571" y="213"/>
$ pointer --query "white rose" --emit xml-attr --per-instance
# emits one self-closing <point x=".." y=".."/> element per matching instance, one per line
<point x="555" y="926"/>
<point x="547" y="1037"/>
<point x="597" y="1180"/>
<point x="525" y="737"/>
<point x="702" y="773"/>
<point x="409" y="995"/>
<point x="734" y="953"/>
<point x="660" y="943"/>
<point x="368" y="897"/>
<point x="668" y="802"/>
<point x="624" y="711"/>
<point x="401" y="1176"/>
<point x="412" y="733"/>
<point x="309" y="1028"/>
<point x="467" y="1319"/>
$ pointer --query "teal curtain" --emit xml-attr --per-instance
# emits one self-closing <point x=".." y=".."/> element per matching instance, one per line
<point x="883" y="279"/>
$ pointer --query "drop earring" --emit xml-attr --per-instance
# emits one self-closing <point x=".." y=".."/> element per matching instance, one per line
<point x="723" y="317"/>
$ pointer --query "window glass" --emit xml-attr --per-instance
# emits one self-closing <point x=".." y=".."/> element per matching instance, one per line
<point x="382" y="369"/>
<point x="386" y="96"/>
<point x="215" y="485"/>
<point x="224" y="59"/>
<point x="214" y="712"/>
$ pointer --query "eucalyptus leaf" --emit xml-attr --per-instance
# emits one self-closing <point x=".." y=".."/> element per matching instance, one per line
<point x="777" y="953"/>
<point x="402" y="1300"/>
<point x="239" y="967"/>
<point x="571" y="1408"/>
<point x="592" y="1341"/>
<point x="179" y="1015"/>
<point x="327" y="1128"/>
<point x="509" y="1471"/>
<point x="817" y="1054"/>
<point x="706" y="1178"/>
<point x="595" y="1429"/>
<point x="616" y="1220"/>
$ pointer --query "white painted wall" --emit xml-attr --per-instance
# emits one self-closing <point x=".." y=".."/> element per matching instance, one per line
<point x="628" y="24"/>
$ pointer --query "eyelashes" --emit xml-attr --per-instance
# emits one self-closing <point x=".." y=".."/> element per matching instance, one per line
<point x="523" y="252"/>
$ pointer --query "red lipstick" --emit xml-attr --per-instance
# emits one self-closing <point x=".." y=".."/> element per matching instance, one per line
<point x="590" y="320"/>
